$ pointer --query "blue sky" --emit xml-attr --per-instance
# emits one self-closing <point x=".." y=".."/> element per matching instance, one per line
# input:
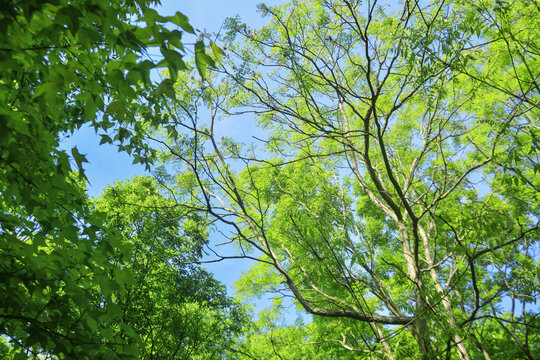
<point x="106" y="166"/>
<point x="210" y="14"/>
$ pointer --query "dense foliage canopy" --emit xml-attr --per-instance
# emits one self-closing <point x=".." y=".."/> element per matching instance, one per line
<point x="72" y="277"/>
<point x="396" y="195"/>
<point x="391" y="190"/>
<point x="177" y="309"/>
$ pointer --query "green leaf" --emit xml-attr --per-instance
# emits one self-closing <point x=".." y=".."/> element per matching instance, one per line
<point x="182" y="21"/>
<point x="17" y="123"/>
<point x="202" y="61"/>
<point x="218" y="52"/>
<point x="79" y="159"/>
<point x="124" y="278"/>
<point x="173" y="59"/>
<point x="174" y="38"/>
<point x="143" y="68"/>
<point x="70" y="16"/>
<point x="167" y="88"/>
<point x="116" y="108"/>
<point x="105" y="139"/>
<point x="114" y="309"/>
<point x="92" y="323"/>
<point x="151" y="16"/>
<point x="47" y="88"/>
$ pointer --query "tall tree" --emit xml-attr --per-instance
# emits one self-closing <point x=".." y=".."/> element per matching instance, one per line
<point x="398" y="183"/>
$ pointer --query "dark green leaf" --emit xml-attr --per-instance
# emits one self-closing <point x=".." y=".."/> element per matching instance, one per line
<point x="182" y="21"/>
<point x="167" y="88"/>
<point x="174" y="59"/>
<point x="151" y="16"/>
<point x="105" y="139"/>
<point x="79" y="159"/>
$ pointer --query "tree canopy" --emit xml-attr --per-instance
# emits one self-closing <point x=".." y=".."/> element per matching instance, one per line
<point x="177" y="309"/>
<point x="393" y="195"/>
<point x="396" y="194"/>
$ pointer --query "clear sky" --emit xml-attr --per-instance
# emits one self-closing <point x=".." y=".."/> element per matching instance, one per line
<point x="106" y="165"/>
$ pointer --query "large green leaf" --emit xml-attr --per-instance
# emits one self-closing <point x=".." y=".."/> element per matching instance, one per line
<point x="202" y="60"/>
<point x="182" y="21"/>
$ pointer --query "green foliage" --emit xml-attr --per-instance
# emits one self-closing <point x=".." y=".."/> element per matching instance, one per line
<point x="60" y="283"/>
<point x="175" y="307"/>
<point x="64" y="64"/>
<point x="395" y="187"/>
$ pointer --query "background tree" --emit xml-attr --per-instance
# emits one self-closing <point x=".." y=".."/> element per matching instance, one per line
<point x="178" y="309"/>
<point x="64" y="64"/>
<point x="398" y="183"/>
